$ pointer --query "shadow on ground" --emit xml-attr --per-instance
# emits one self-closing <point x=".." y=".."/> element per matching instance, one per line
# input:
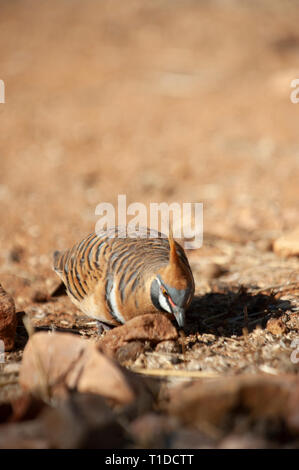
<point x="228" y="312"/>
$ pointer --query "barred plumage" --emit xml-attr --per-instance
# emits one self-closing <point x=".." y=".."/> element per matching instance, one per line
<point x="113" y="279"/>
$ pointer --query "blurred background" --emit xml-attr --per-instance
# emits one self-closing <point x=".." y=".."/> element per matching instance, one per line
<point x="166" y="100"/>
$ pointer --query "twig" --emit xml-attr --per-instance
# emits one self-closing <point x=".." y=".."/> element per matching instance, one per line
<point x="279" y="287"/>
<point x="8" y="382"/>
<point x="245" y="327"/>
<point x="181" y="340"/>
<point x="175" y="373"/>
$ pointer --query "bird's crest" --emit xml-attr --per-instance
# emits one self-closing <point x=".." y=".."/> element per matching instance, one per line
<point x="173" y="256"/>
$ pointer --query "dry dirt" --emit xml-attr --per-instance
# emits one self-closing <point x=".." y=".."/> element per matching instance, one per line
<point x="161" y="101"/>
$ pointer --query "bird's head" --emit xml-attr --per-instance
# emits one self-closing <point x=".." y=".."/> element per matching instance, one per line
<point x="172" y="288"/>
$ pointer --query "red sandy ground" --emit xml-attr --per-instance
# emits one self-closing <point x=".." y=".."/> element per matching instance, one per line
<point x="161" y="101"/>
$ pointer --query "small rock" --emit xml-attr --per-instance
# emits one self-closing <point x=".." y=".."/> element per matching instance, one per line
<point x="158" y="431"/>
<point x="48" y="360"/>
<point x="203" y="402"/>
<point x="26" y="407"/>
<point x="168" y="347"/>
<point x="129" y="351"/>
<point x="293" y="321"/>
<point x="265" y="397"/>
<point x="287" y="244"/>
<point x="11" y="368"/>
<point x="276" y="326"/>
<point x="54" y="363"/>
<point x="214" y="403"/>
<point x="27" y="435"/>
<point x="185" y="438"/>
<point x="16" y="254"/>
<point x="292" y="411"/>
<point x="101" y="375"/>
<point x="212" y="271"/>
<point x="8" y="320"/>
<point x="5" y="413"/>
<point x="83" y="421"/>
<point x="264" y="244"/>
<point x="152" y="430"/>
<point x="40" y="296"/>
<point x="152" y="327"/>
<point x="247" y="441"/>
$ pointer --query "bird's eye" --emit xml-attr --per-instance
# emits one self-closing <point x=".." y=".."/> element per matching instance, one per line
<point x="164" y="292"/>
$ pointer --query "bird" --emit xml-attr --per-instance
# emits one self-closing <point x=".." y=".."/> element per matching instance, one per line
<point x="113" y="279"/>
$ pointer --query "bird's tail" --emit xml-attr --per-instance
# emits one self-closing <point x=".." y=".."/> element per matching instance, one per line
<point x="57" y="262"/>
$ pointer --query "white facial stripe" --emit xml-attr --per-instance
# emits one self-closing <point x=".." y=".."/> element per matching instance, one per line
<point x="113" y="303"/>
<point x="163" y="302"/>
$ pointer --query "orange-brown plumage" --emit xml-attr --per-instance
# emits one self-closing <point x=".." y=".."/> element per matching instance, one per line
<point x="114" y="279"/>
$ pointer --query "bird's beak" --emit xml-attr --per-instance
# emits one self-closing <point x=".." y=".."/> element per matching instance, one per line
<point x="179" y="314"/>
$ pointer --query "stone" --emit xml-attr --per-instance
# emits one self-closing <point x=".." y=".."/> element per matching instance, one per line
<point x="8" y="320"/>
<point x="158" y="431"/>
<point x="203" y="402"/>
<point x="49" y="360"/>
<point x="247" y="441"/>
<point x="168" y="347"/>
<point x="55" y="363"/>
<point x="149" y="327"/>
<point x="101" y="375"/>
<point x="129" y="352"/>
<point x="292" y="410"/>
<point x="83" y="421"/>
<point x="217" y="402"/>
<point x="80" y="421"/>
<point x="39" y="296"/>
<point x="212" y="271"/>
<point x="276" y="326"/>
<point x="287" y="244"/>
<point x="26" y="407"/>
<point x="152" y="430"/>
<point x="27" y="435"/>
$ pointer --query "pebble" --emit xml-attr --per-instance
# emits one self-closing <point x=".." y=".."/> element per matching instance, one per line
<point x="288" y="244"/>
<point x="8" y="320"/>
